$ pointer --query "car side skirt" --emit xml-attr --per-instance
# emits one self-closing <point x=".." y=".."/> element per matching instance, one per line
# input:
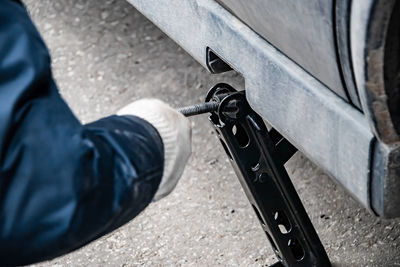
<point x="332" y="133"/>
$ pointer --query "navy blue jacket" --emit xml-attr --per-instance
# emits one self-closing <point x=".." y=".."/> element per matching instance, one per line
<point x="62" y="184"/>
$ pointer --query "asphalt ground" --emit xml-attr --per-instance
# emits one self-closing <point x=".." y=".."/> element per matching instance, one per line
<point x="105" y="55"/>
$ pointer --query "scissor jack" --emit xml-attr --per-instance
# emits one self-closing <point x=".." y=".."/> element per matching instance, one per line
<point x="258" y="156"/>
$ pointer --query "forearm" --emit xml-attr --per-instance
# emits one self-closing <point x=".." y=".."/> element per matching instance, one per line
<point x="63" y="184"/>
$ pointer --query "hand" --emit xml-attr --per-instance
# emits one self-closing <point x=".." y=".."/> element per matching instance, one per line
<point x="175" y="132"/>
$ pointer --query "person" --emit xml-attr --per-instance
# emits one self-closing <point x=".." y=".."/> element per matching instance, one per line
<point x="64" y="184"/>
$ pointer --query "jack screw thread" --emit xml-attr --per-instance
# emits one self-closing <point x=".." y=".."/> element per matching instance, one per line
<point x="199" y="109"/>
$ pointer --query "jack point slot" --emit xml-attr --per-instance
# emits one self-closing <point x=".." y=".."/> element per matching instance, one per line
<point x="215" y="64"/>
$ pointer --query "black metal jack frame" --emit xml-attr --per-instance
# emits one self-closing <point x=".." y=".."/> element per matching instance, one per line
<point x="258" y="157"/>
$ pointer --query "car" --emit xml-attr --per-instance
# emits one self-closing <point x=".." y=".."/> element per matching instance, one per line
<point x="323" y="73"/>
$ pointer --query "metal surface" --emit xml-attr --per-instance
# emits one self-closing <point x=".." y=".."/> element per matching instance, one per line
<point x="385" y="182"/>
<point x="199" y="109"/>
<point x="215" y="64"/>
<point x="342" y="27"/>
<point x="288" y="97"/>
<point x="302" y="30"/>
<point x="258" y="157"/>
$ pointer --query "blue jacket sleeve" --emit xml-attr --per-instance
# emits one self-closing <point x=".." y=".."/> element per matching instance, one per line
<point x="62" y="184"/>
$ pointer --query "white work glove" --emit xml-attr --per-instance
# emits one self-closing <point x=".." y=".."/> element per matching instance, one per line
<point x="176" y="135"/>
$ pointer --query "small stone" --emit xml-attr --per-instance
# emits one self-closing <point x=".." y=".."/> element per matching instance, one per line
<point x="47" y="26"/>
<point x="212" y="162"/>
<point x="104" y="15"/>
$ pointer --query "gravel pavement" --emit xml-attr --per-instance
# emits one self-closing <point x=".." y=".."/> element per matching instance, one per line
<point x="105" y="55"/>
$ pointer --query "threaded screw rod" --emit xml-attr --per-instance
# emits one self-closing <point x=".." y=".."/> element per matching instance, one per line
<point x="199" y="109"/>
